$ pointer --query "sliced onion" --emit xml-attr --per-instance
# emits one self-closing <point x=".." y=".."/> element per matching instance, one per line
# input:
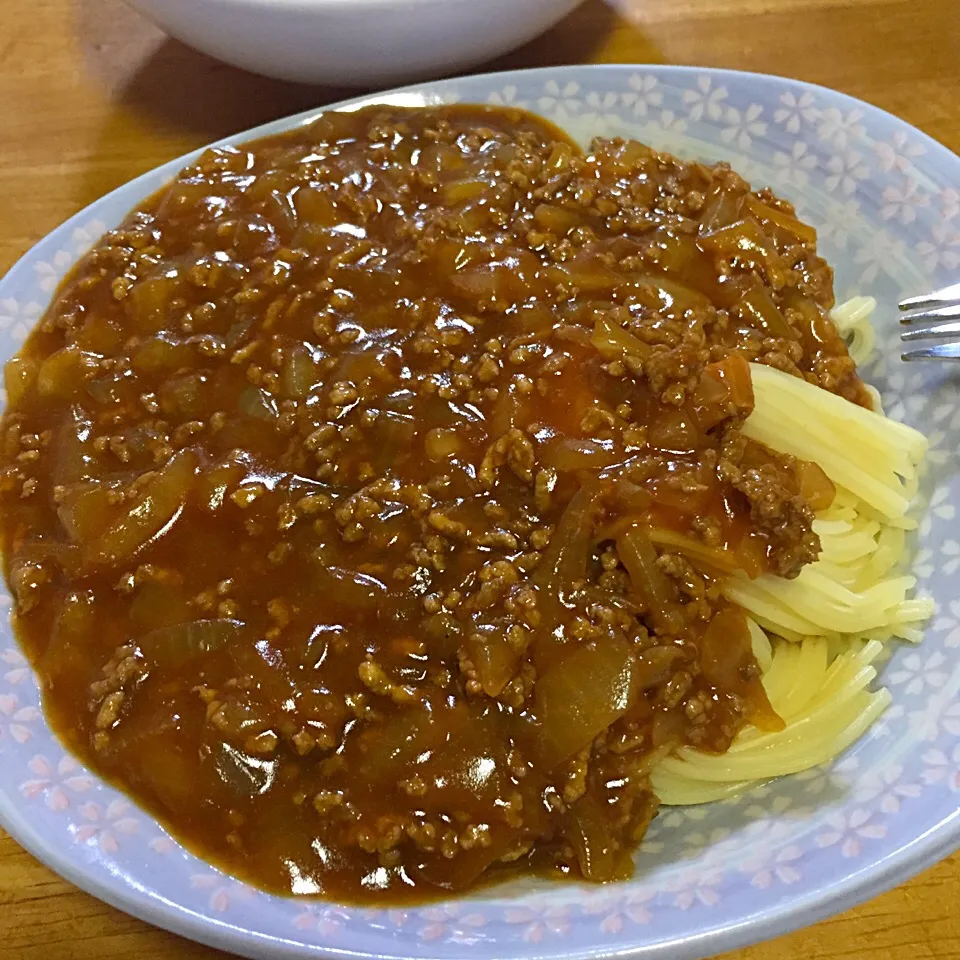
<point x="580" y="697"/>
<point x="19" y="374"/>
<point x="590" y="830"/>
<point x="162" y="499"/>
<point x="757" y="308"/>
<point x="654" y="588"/>
<point x="772" y="215"/>
<point x="613" y="342"/>
<point x="573" y="454"/>
<point x="299" y="373"/>
<point x="726" y="659"/>
<point x="173" y="646"/>
<point x="715" y="559"/>
<point x="256" y="403"/>
<point x="815" y="486"/>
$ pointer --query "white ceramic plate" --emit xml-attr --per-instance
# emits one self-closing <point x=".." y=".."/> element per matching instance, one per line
<point x="884" y="199"/>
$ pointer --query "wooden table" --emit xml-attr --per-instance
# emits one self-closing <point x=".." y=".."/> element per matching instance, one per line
<point x="91" y="95"/>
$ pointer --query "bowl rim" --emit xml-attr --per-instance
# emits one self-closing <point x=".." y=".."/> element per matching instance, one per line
<point x="320" y="6"/>
<point x="830" y="899"/>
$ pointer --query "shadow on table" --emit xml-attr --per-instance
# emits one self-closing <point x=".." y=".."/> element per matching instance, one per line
<point x="160" y="79"/>
<point x="155" y="81"/>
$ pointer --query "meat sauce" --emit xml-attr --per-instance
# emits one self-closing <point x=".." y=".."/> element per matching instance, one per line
<point x="365" y="494"/>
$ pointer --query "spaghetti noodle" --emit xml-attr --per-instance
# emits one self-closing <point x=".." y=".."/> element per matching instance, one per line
<point x="827" y="626"/>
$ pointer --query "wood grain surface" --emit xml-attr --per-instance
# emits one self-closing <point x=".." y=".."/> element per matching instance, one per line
<point x="92" y="95"/>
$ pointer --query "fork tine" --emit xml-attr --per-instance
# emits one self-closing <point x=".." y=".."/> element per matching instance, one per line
<point x="938" y="330"/>
<point x="942" y="351"/>
<point x="943" y="295"/>
<point x="936" y="313"/>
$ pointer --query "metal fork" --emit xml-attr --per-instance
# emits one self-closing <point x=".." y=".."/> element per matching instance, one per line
<point x="941" y="309"/>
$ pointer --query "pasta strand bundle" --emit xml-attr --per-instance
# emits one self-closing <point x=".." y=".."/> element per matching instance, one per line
<point x="829" y="623"/>
<point x="826" y="706"/>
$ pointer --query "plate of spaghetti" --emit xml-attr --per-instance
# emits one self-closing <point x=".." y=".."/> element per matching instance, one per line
<point x="491" y="514"/>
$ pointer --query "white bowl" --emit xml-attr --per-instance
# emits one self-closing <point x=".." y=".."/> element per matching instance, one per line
<point x="356" y="42"/>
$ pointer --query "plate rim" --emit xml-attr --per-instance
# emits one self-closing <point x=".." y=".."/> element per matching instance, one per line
<point x="896" y="868"/>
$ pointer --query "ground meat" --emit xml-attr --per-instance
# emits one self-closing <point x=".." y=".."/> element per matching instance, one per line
<point x="366" y="495"/>
<point x="786" y="516"/>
